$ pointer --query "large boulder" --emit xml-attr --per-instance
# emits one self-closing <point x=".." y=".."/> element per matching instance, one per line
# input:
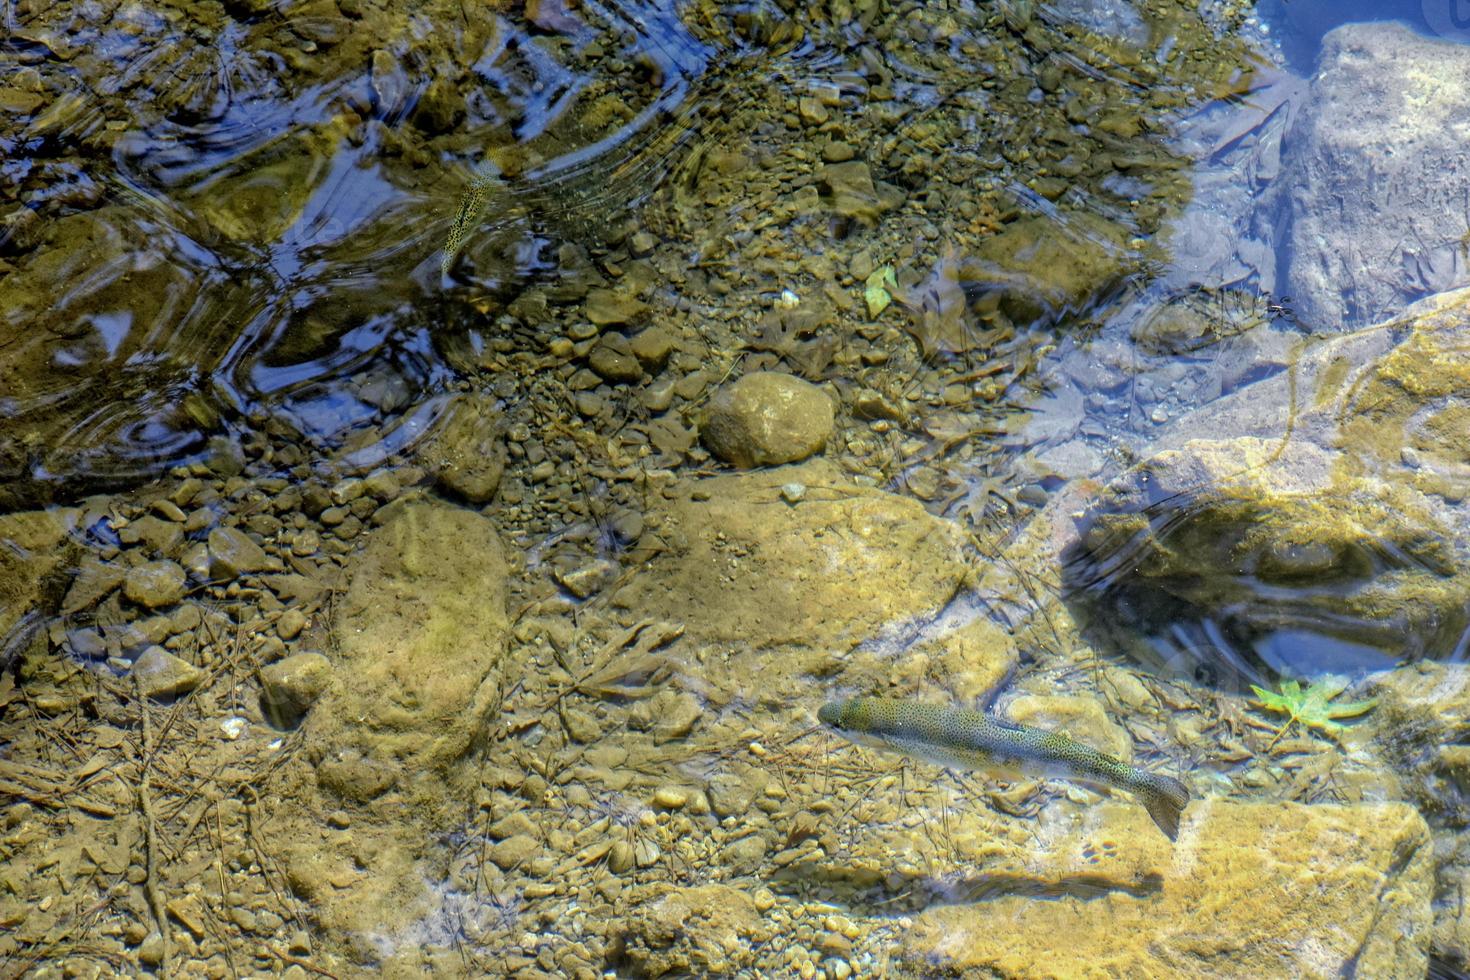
<point x="835" y="580"/>
<point x="1373" y="183"/>
<point x="421" y="633"/>
<point x="1312" y="517"/>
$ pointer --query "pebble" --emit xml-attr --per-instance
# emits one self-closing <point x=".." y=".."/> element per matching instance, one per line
<point x="641" y="243"/>
<point x="837" y="969"/>
<point x="620" y="857"/>
<point x="658" y="396"/>
<point x="671" y="797"/>
<point x="514" y="851"/>
<point x="291" y="623"/>
<point x="168" y="510"/>
<point x="589" y="579"/>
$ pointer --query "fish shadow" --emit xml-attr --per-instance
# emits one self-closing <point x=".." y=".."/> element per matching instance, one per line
<point x="912" y="890"/>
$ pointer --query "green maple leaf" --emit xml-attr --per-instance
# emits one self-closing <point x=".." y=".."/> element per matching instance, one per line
<point x="1313" y="706"/>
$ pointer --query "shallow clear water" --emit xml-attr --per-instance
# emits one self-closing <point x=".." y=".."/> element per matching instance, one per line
<point x="381" y="594"/>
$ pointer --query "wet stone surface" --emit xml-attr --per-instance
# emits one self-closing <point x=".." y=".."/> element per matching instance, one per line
<point x="449" y="455"/>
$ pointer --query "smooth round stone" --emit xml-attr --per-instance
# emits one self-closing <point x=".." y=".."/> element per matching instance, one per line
<point x="767" y="418"/>
<point x="671" y="797"/>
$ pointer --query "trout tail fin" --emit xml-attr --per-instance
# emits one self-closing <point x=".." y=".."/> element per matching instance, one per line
<point x="1165" y="797"/>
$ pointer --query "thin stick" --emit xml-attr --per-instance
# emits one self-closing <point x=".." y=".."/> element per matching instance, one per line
<point x="145" y="803"/>
<point x="286" y="957"/>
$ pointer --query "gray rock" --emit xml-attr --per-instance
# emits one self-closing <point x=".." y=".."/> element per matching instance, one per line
<point x="1374" y="177"/>
<point x="767" y="418"/>
<point x="155" y="584"/>
<point x="162" y="675"/>
<point x="289" y="687"/>
<point x="233" y="553"/>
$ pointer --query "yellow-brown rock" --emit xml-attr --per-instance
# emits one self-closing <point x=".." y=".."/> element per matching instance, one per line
<point x="1250" y="890"/>
<point x="745" y="566"/>
<point x="422" y="631"/>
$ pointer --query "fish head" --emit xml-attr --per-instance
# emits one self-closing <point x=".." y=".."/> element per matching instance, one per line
<point x="832" y="713"/>
<point x="854" y="719"/>
<point x="849" y="717"/>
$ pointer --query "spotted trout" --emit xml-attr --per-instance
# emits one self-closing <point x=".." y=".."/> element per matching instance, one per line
<point x="955" y="737"/>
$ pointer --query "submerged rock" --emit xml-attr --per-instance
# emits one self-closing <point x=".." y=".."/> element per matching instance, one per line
<point x="162" y="675"/>
<point x="767" y="418"/>
<point x="467" y="454"/>
<point x="1045" y="267"/>
<point x="422" y="629"/>
<point x="1328" y="500"/>
<point x="33" y="550"/>
<point x="851" y="192"/>
<point x="155" y="584"/>
<point x="1420" y="731"/>
<point x="1373" y="179"/>
<point x="709" y="929"/>
<point x="289" y="687"/>
<point x="1251" y="889"/>
<point x="842" y="566"/>
<point x="232" y="553"/>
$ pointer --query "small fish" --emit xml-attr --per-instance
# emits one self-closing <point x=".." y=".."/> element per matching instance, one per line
<point x="955" y="737"/>
<point x="483" y="183"/>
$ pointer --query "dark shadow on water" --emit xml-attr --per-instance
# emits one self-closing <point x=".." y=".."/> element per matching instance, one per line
<point x="1267" y="624"/>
